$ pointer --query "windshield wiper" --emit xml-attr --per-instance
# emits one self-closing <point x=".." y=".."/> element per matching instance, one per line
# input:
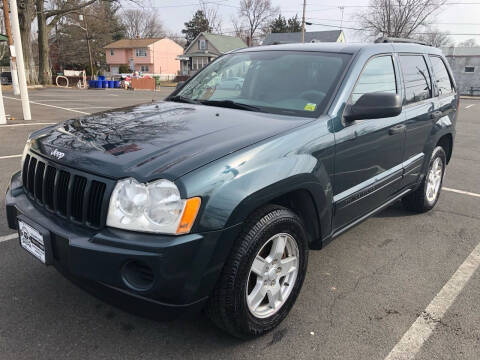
<point x="230" y="104"/>
<point x="183" y="99"/>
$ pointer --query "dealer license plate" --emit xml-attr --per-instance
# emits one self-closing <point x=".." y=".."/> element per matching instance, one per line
<point x="31" y="240"/>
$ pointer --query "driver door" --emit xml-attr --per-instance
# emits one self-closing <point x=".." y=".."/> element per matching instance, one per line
<point x="369" y="153"/>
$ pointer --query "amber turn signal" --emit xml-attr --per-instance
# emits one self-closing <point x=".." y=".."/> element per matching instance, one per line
<point x="192" y="206"/>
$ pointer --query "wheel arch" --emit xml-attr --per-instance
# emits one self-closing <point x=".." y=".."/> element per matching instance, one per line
<point x="446" y="142"/>
<point x="308" y="200"/>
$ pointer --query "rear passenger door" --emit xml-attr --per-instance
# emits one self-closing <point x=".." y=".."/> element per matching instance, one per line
<point x="368" y="153"/>
<point x="419" y="107"/>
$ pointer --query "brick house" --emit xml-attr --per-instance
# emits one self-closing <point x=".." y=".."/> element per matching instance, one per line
<point x="150" y="56"/>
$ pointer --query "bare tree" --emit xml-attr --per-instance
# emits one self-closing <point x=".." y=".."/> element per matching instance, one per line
<point x="398" y="18"/>
<point x="3" y="44"/>
<point x="468" y="43"/>
<point x="435" y="37"/>
<point x="239" y="30"/>
<point x="179" y="39"/>
<point x="212" y="15"/>
<point x="46" y="20"/>
<point x="140" y="23"/>
<point x="256" y="14"/>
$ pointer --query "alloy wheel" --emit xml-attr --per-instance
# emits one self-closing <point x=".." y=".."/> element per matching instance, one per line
<point x="272" y="275"/>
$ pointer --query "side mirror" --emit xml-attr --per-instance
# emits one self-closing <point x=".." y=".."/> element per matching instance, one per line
<point x="179" y="85"/>
<point x="375" y="105"/>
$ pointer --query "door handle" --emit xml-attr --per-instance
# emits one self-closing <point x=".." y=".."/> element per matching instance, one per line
<point x="436" y="114"/>
<point x="397" y="129"/>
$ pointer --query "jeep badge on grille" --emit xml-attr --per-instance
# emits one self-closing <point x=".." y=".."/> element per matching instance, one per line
<point x="57" y="154"/>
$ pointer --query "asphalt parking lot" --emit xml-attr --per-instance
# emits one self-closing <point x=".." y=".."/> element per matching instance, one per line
<point x="361" y="296"/>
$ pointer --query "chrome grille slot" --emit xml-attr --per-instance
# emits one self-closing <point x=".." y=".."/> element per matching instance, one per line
<point x="79" y="197"/>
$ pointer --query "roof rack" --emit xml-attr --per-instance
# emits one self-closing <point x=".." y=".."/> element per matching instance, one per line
<point x="400" y="40"/>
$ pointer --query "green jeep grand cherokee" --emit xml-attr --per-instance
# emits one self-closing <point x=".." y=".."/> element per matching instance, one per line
<point x="212" y="199"/>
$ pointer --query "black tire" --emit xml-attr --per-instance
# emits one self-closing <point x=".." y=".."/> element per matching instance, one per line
<point x="417" y="201"/>
<point x="228" y="307"/>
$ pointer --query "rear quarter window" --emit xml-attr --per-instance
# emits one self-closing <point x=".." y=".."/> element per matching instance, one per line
<point x="442" y="78"/>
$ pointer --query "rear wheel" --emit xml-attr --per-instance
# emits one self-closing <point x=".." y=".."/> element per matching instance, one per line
<point x="263" y="276"/>
<point x="426" y="196"/>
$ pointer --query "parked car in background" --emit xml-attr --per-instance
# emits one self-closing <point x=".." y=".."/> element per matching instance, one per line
<point x="232" y="83"/>
<point x="6" y="77"/>
<point x="212" y="199"/>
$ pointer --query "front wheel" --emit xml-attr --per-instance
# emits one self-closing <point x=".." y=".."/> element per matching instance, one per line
<point x="263" y="276"/>
<point x="426" y="196"/>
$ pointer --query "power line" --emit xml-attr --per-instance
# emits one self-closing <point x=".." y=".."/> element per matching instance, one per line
<point x="416" y="33"/>
<point x="399" y="5"/>
<point x="219" y="3"/>
<point x="354" y="21"/>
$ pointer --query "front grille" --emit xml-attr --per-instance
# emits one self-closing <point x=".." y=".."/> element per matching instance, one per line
<point x="79" y="197"/>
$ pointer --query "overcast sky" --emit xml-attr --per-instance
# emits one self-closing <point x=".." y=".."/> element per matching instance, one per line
<point x="456" y="16"/>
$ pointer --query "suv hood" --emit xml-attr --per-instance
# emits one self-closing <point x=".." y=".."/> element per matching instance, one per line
<point x="163" y="139"/>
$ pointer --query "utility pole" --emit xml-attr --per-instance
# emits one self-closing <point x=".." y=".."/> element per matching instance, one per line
<point x="342" y="9"/>
<point x="88" y="44"/>
<point x="3" y="118"/>
<point x="22" y="80"/>
<point x="13" y="61"/>
<point x="303" y="20"/>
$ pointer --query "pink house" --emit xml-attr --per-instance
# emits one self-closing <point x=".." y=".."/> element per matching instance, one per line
<point x="150" y="56"/>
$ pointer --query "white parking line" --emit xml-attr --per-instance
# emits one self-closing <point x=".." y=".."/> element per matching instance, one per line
<point x="461" y="192"/>
<point x="93" y="107"/>
<point x="10" y="156"/>
<point x="27" y="124"/>
<point x="8" y="237"/>
<point x="413" y="340"/>
<point x="55" y="100"/>
<point x="469" y="106"/>
<point x="52" y="106"/>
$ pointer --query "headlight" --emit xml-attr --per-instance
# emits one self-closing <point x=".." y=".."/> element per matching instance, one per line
<point x="25" y="151"/>
<point x="155" y="207"/>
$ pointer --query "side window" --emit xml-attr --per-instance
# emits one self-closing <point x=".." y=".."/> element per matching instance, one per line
<point x="418" y="86"/>
<point x="377" y="76"/>
<point x="444" y="84"/>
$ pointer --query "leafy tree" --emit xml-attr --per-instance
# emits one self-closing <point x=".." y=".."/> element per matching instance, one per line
<point x="279" y="25"/>
<point x="282" y="25"/>
<point x="68" y="46"/>
<point x="294" y="25"/>
<point x="197" y="25"/>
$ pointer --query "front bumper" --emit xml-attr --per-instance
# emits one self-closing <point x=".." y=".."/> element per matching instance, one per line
<point x="183" y="269"/>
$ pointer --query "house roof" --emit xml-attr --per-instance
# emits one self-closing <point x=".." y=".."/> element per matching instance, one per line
<point x="296" y="37"/>
<point x="461" y="51"/>
<point x="223" y="43"/>
<point x="131" y="43"/>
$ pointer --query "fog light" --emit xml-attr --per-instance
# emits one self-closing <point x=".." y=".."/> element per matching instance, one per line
<point x="138" y="276"/>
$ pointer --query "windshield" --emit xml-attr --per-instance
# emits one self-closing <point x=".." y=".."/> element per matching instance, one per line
<point x="286" y="82"/>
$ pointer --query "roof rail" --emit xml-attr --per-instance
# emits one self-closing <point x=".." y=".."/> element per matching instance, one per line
<point x="400" y="40"/>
